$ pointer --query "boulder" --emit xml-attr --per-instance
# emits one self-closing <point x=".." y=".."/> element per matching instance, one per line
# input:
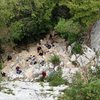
<point x="69" y="50"/>
<point x="73" y="58"/>
<point x="87" y="56"/>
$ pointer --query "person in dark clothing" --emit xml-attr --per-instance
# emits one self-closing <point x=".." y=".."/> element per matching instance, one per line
<point x="18" y="71"/>
<point x="9" y="57"/>
<point x="39" y="48"/>
<point x="48" y="45"/>
<point x="51" y="39"/>
<point x="43" y="75"/>
<point x="3" y="74"/>
<point x="42" y="62"/>
<point x="40" y="51"/>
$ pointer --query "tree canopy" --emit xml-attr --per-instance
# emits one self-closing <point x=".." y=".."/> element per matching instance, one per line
<point x="25" y="18"/>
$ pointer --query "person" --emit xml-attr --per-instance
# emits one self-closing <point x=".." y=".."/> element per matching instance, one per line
<point x="33" y="62"/>
<point x="48" y="45"/>
<point x="42" y="62"/>
<point x="33" y="58"/>
<point x="40" y="51"/>
<point x="38" y="48"/>
<point x="51" y="39"/>
<point x="43" y="75"/>
<point x="18" y="71"/>
<point x="9" y="57"/>
<point x="3" y="74"/>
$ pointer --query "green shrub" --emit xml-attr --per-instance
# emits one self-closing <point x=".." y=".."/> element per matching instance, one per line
<point x="77" y="49"/>
<point x="90" y="91"/>
<point x="72" y="38"/>
<point x="16" y="30"/>
<point x="55" y="59"/>
<point x="79" y="90"/>
<point x="94" y="74"/>
<point x="68" y="29"/>
<point x="55" y="78"/>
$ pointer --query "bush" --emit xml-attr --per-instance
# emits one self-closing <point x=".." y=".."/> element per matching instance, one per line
<point x="82" y="91"/>
<point x="77" y="49"/>
<point x="68" y="29"/>
<point x="89" y="91"/>
<point x="55" y="59"/>
<point x="16" y="31"/>
<point x="55" y="78"/>
<point x="94" y="74"/>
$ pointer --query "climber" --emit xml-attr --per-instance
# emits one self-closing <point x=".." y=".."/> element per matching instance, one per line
<point x="3" y="74"/>
<point x="18" y="70"/>
<point x="51" y="39"/>
<point x="40" y="51"/>
<point x="43" y="75"/>
<point x="9" y="57"/>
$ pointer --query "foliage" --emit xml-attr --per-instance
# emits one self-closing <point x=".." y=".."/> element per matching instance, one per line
<point x="77" y="49"/>
<point x="86" y="12"/>
<point x="67" y="26"/>
<point x="85" y="92"/>
<point x="55" y="59"/>
<point x="35" y="16"/>
<point x="16" y="31"/>
<point x="82" y="91"/>
<point x="55" y="78"/>
<point x="94" y="74"/>
<point x="68" y="29"/>
<point x="83" y="15"/>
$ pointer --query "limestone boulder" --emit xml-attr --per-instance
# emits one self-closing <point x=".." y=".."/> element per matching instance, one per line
<point x="73" y="58"/>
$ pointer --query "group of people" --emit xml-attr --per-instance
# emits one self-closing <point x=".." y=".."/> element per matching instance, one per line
<point x="49" y="44"/>
<point x="18" y="70"/>
<point x="32" y="58"/>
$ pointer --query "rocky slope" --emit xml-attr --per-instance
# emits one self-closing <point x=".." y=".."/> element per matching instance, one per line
<point x="23" y="86"/>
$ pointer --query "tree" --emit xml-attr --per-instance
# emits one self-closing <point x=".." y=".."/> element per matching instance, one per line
<point x="84" y="13"/>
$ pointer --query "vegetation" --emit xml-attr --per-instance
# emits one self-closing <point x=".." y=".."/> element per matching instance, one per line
<point x="68" y="29"/>
<point x="55" y="78"/>
<point x="55" y="59"/>
<point x="81" y="90"/>
<point x="27" y="19"/>
<point x="77" y="49"/>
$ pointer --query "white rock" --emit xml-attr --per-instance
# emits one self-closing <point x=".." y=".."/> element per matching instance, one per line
<point x="62" y="64"/>
<point x="69" y="50"/>
<point x="93" y="69"/>
<point x="51" y="65"/>
<point x="87" y="57"/>
<point x="82" y="60"/>
<point x="73" y="58"/>
<point x="31" y="91"/>
<point x="89" y="53"/>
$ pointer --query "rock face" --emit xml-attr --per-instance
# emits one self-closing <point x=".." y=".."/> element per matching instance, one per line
<point x="87" y="56"/>
<point x="30" y="91"/>
<point x="95" y="40"/>
<point x="95" y="36"/>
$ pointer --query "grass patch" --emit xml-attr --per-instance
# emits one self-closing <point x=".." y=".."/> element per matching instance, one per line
<point x="55" y="60"/>
<point x="8" y="91"/>
<point x="77" y="49"/>
<point x="55" y="78"/>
